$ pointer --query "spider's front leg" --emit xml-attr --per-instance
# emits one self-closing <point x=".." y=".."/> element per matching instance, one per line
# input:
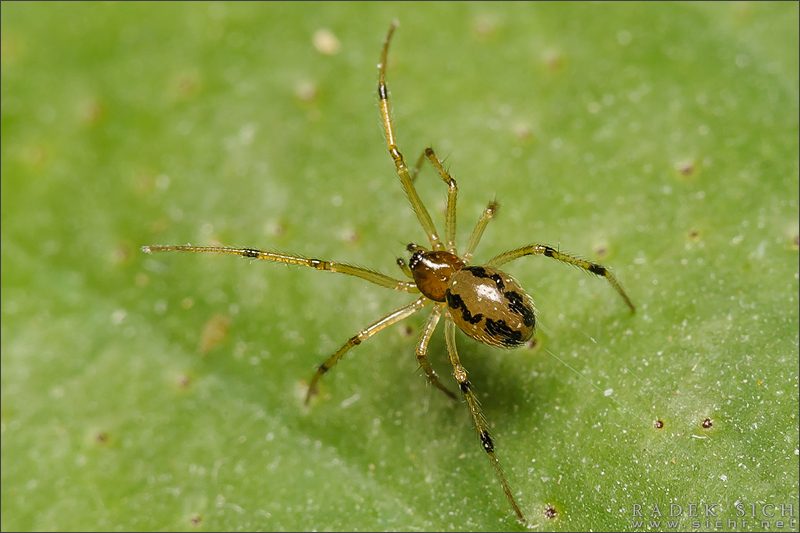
<point x="488" y="214"/>
<point x="452" y="193"/>
<point x="391" y="144"/>
<point x="261" y="255"/>
<point x="481" y="426"/>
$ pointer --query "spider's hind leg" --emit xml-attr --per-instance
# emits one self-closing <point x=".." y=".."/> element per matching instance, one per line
<point x="481" y="426"/>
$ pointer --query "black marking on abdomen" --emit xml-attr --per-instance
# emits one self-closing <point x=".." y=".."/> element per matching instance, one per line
<point x="498" y="329"/>
<point x="455" y="302"/>
<point x="478" y="272"/>
<point x="486" y="440"/>
<point x="498" y="280"/>
<point x="518" y="305"/>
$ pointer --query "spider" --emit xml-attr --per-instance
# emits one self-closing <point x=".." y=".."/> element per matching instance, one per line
<point x="484" y="302"/>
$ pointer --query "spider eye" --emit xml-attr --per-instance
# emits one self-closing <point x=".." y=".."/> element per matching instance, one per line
<point x="416" y="257"/>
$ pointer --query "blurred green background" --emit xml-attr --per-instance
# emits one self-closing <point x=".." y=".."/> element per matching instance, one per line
<point x="165" y="392"/>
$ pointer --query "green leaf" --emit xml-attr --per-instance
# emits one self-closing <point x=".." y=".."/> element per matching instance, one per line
<point x="165" y="391"/>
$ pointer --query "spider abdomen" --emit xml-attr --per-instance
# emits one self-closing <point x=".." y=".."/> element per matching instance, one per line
<point x="490" y="306"/>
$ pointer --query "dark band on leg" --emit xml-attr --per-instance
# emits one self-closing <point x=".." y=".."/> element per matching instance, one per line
<point x="597" y="269"/>
<point x="486" y="440"/>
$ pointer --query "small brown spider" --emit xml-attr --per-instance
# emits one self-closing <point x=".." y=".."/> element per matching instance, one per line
<point x="484" y="302"/>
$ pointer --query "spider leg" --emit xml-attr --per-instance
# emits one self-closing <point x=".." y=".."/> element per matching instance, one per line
<point x="547" y="251"/>
<point x="487" y="215"/>
<point x="452" y="193"/>
<point x="417" y="166"/>
<point x="392" y="318"/>
<point x="400" y="165"/>
<point x="422" y="352"/>
<point x="404" y="267"/>
<point x="331" y="266"/>
<point x="481" y="426"/>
